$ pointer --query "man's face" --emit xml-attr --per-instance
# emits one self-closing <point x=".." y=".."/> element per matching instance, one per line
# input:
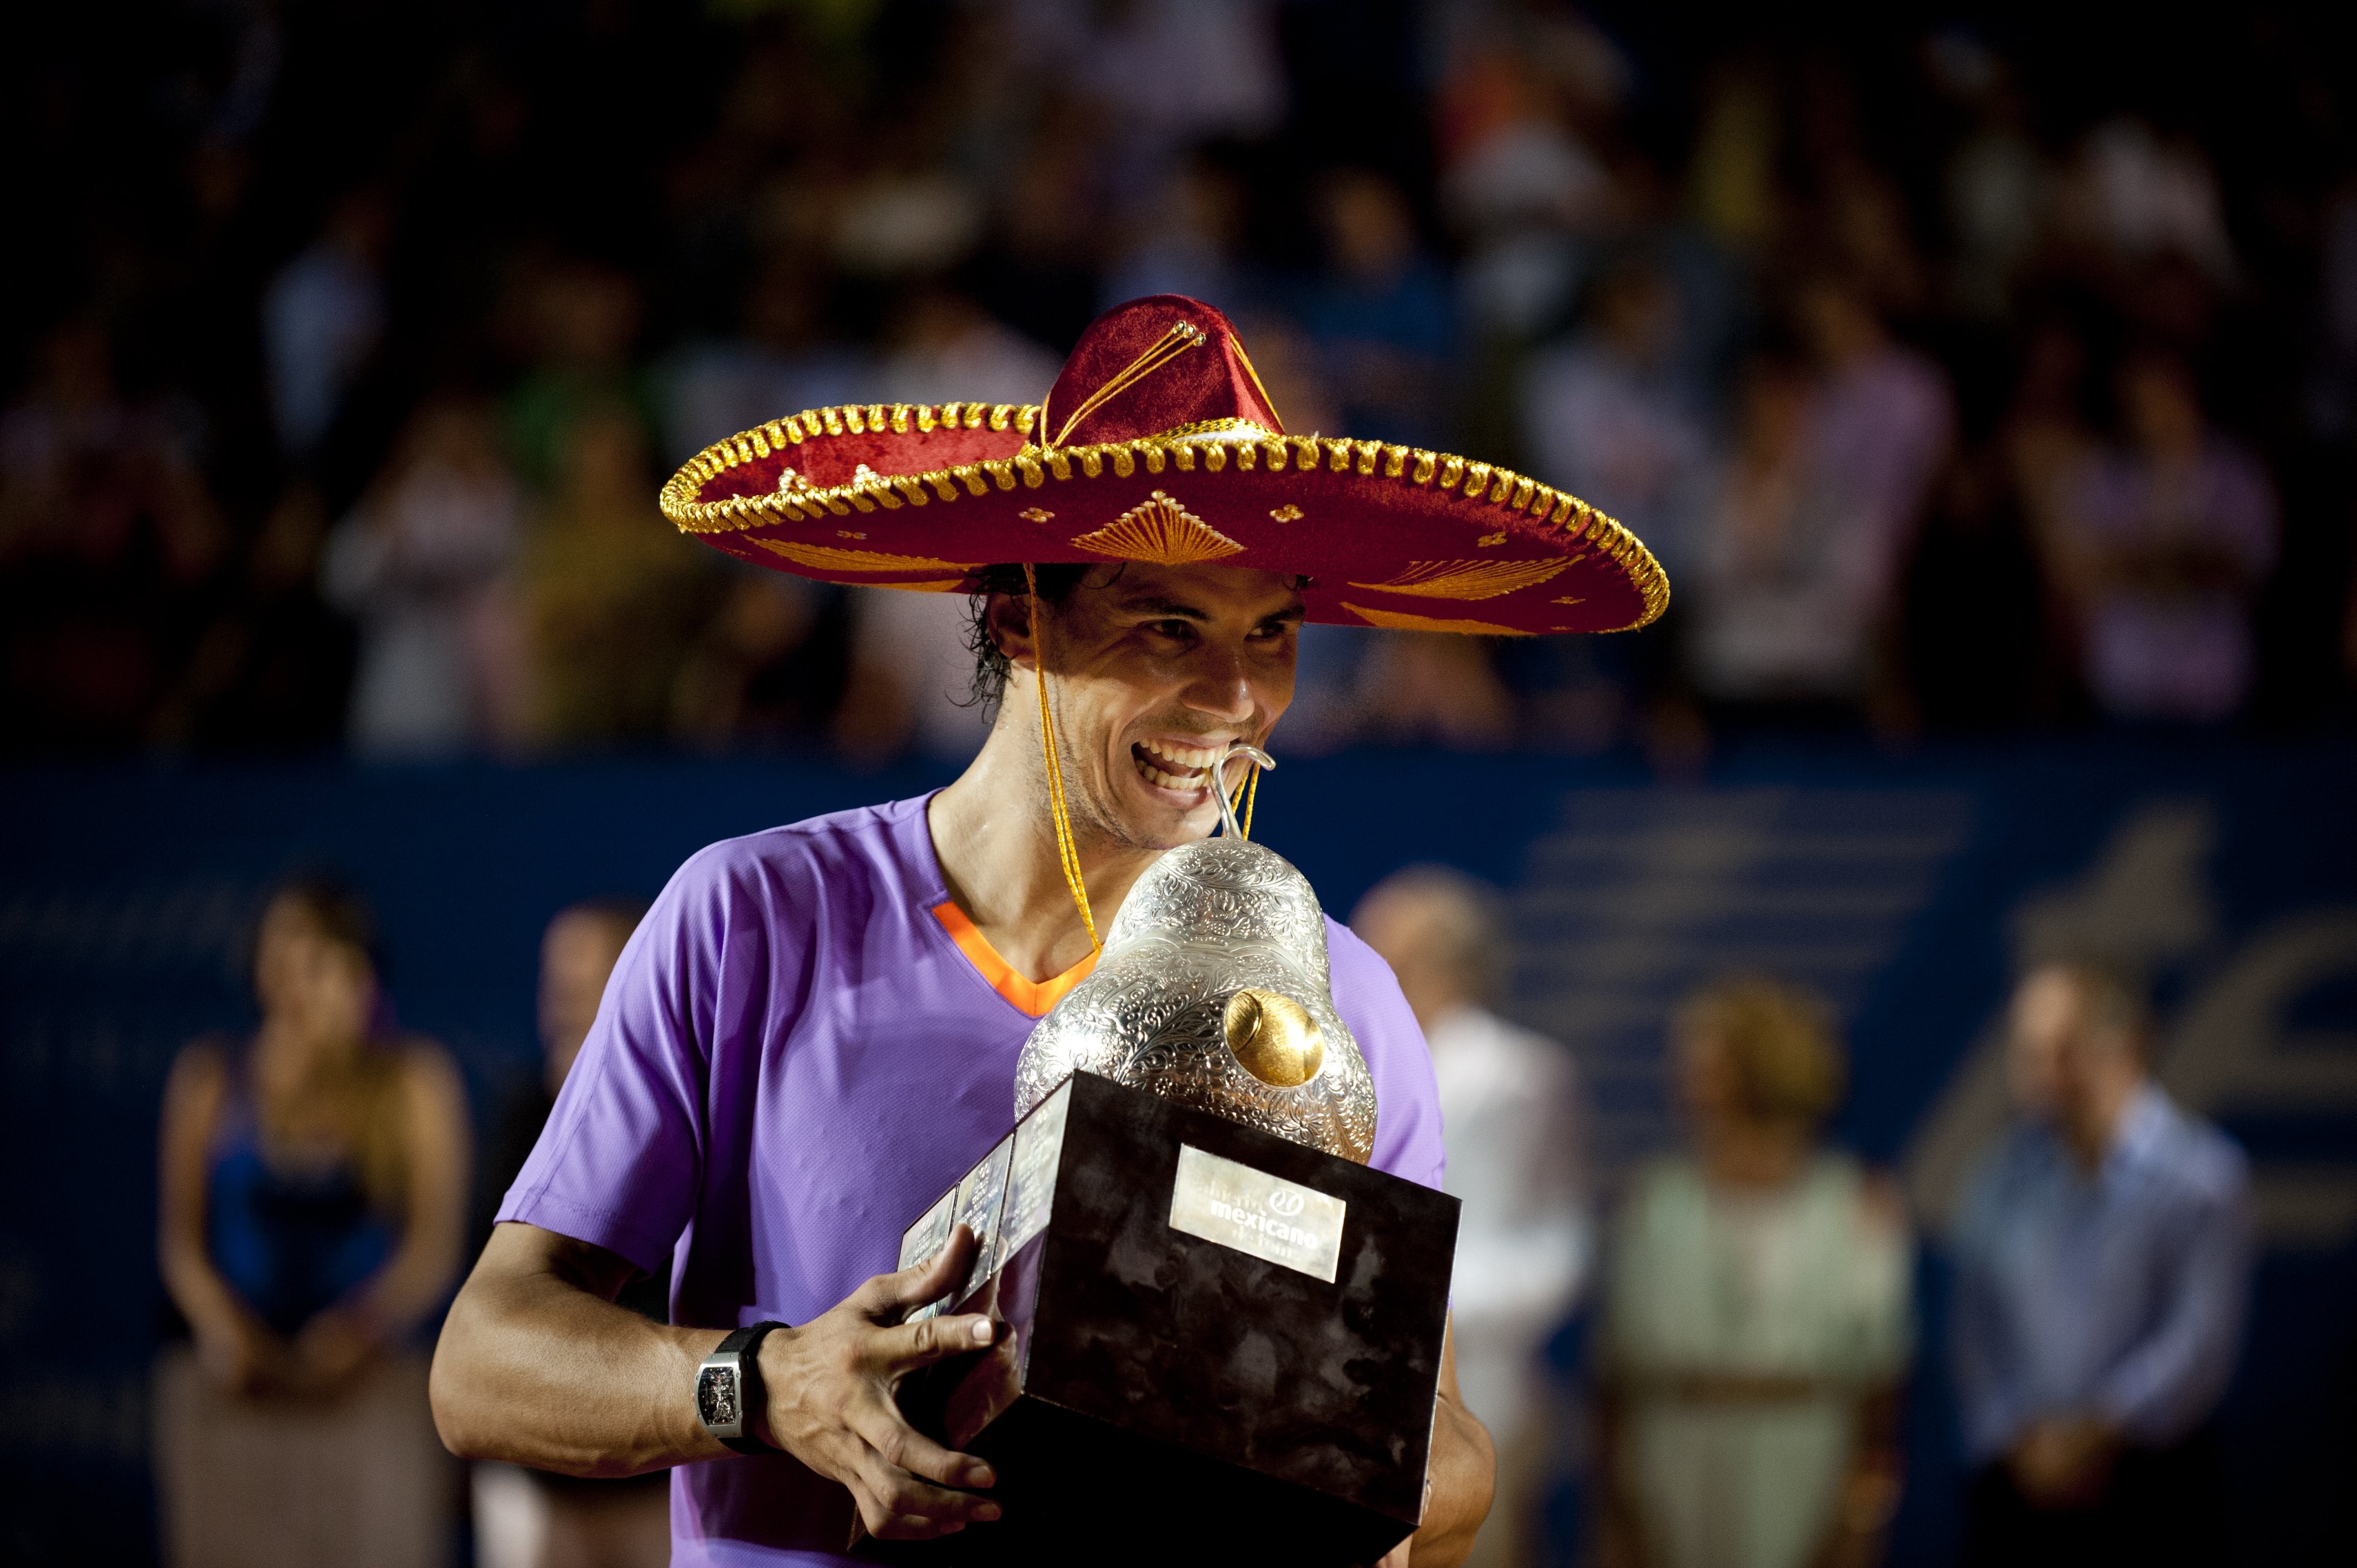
<point x="1156" y="670"/>
<point x="2056" y="1059"/>
<point x="576" y="954"/>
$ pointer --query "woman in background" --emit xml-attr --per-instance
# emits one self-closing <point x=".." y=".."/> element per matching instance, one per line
<point x="1756" y="1313"/>
<point x="314" y="1183"/>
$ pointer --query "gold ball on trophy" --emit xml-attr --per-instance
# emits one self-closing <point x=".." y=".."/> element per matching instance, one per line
<point x="1274" y="1038"/>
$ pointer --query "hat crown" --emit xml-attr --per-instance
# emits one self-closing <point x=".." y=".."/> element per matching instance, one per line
<point x="1152" y="366"/>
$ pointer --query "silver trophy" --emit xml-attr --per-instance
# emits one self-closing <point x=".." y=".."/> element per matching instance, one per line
<point x="1214" y="990"/>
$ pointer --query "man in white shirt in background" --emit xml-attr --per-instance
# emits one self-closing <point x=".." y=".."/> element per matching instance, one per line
<point x="1513" y="1117"/>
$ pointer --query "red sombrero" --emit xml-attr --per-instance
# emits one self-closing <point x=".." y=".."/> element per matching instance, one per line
<point x="1158" y="443"/>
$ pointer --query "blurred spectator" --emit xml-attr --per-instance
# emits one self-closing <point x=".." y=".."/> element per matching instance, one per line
<point x="1795" y="577"/>
<point x="1756" y="1311"/>
<point x="314" y="1183"/>
<point x="422" y="565"/>
<point x="944" y="347"/>
<point x="1381" y="314"/>
<point x="111" y="544"/>
<point x="1616" y="418"/>
<point x="1188" y="241"/>
<point x="1999" y="187"/>
<point x="581" y="321"/>
<point x="612" y="596"/>
<point x="1164" y="74"/>
<point x="768" y="666"/>
<point x="533" y="1519"/>
<point x="2159" y="549"/>
<point x="322" y="317"/>
<point x="1359" y="686"/>
<point x="2044" y="437"/>
<point x="1519" y="180"/>
<point x="781" y="364"/>
<point x="2333" y="391"/>
<point x="1511" y="1102"/>
<point x="911" y="676"/>
<point x="2103" y="1262"/>
<point x="1038" y="270"/>
<point x="2135" y="197"/>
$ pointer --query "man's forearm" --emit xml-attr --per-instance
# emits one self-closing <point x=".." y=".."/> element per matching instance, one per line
<point x="536" y="1366"/>
<point x="1464" y="1472"/>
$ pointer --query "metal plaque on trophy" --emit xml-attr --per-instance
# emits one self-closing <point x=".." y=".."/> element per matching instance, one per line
<point x="1223" y="1330"/>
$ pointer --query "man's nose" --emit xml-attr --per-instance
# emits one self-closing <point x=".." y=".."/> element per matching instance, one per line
<point x="1220" y="689"/>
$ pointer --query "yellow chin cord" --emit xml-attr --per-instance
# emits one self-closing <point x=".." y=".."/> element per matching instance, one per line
<point x="1067" y="850"/>
<point x="1248" y="792"/>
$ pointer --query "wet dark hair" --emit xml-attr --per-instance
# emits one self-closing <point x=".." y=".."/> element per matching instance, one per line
<point x="1057" y="582"/>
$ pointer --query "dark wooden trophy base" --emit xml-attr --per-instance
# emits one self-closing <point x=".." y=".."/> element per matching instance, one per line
<point x="1160" y="1396"/>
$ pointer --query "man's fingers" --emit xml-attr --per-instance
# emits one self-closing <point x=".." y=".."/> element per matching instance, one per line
<point x="914" y="1345"/>
<point x="890" y="1436"/>
<point x="886" y="1295"/>
<point x="897" y="1505"/>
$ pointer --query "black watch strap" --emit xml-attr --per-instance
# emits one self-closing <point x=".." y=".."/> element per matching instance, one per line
<point x="729" y="1389"/>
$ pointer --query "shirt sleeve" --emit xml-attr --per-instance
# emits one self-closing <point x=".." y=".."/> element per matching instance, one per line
<point x="2176" y="1374"/>
<point x="620" y="1164"/>
<point x="1407" y="1097"/>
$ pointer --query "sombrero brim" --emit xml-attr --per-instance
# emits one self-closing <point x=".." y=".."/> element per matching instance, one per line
<point x="922" y="497"/>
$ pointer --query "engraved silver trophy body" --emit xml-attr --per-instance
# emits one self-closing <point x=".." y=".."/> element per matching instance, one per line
<point x="1214" y="990"/>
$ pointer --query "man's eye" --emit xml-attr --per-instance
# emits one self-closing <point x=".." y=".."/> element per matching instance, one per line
<point x="1173" y="628"/>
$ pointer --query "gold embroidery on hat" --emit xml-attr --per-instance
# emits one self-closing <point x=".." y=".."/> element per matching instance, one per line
<point x="829" y="558"/>
<point x="1397" y="621"/>
<point x="1487" y="540"/>
<point x="1467" y="579"/>
<point x="1036" y="514"/>
<point x="1182" y="336"/>
<point x="1287" y="513"/>
<point x="1161" y="531"/>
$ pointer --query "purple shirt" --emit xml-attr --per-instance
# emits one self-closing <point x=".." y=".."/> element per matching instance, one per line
<point x="792" y="1060"/>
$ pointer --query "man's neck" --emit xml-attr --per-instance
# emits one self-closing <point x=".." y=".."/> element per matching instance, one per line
<point x="2091" y="1132"/>
<point x="998" y="848"/>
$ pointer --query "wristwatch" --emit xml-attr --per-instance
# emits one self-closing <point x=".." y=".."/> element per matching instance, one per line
<point x="729" y="1389"/>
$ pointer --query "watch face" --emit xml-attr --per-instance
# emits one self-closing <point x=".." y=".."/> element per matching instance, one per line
<point x="716" y="1400"/>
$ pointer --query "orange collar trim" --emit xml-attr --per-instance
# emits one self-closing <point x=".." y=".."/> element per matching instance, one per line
<point x="1030" y="997"/>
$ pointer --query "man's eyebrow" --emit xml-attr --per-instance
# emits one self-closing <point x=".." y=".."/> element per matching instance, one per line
<point x="1176" y="609"/>
<point x="1147" y="604"/>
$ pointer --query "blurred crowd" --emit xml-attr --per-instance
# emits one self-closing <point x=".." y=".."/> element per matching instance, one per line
<point x="1957" y="386"/>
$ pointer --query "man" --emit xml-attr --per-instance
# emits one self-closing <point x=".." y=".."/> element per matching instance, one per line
<point x="534" y="1518"/>
<point x="2103" y="1264"/>
<point x="1511" y="1102"/>
<point x="814" y="1031"/>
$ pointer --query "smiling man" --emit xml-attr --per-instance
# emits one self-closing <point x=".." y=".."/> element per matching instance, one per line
<point x="814" y="1031"/>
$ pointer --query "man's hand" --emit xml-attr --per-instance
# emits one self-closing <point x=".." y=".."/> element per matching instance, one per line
<point x="2065" y="1461"/>
<point x="831" y="1400"/>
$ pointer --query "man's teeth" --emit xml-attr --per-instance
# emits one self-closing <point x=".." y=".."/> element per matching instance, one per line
<point x="1169" y="780"/>
<point x="1187" y="764"/>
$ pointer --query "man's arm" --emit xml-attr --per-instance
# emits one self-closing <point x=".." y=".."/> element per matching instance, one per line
<point x="538" y="1366"/>
<point x="1462" y="1471"/>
